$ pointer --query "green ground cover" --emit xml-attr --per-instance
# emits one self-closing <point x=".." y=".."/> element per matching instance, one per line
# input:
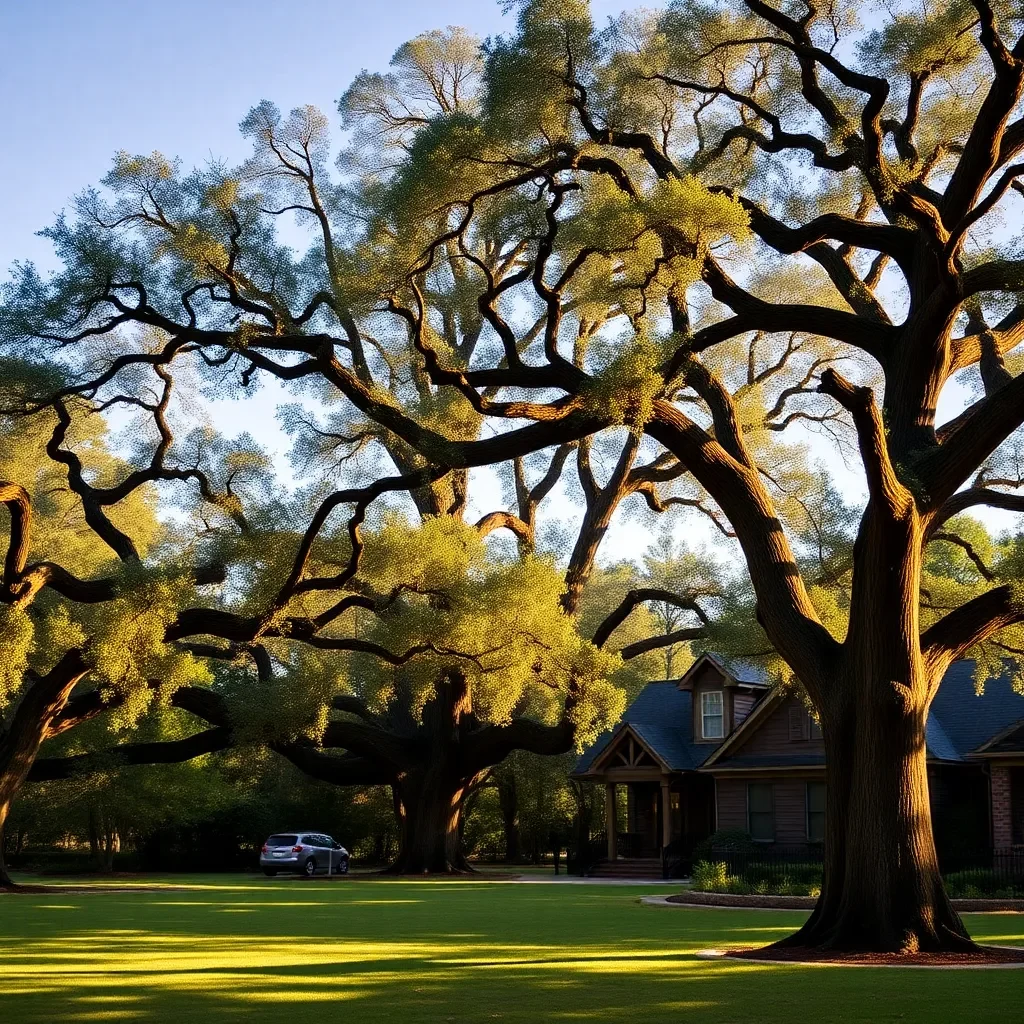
<point x="227" y="948"/>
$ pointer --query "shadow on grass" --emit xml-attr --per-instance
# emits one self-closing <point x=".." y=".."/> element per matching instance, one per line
<point x="425" y="953"/>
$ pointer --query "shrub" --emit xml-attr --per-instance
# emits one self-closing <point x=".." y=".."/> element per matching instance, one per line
<point x="710" y="876"/>
<point x="980" y="883"/>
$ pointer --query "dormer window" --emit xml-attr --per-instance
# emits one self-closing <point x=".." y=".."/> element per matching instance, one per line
<point x="711" y="714"/>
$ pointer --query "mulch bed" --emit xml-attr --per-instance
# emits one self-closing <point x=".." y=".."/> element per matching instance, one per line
<point x="721" y="899"/>
<point x="987" y="956"/>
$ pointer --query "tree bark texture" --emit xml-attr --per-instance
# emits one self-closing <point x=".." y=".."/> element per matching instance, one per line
<point x="429" y="796"/>
<point x="882" y="889"/>
<point x="29" y="726"/>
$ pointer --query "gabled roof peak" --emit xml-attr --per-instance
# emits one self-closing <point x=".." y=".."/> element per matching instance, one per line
<point x="734" y="672"/>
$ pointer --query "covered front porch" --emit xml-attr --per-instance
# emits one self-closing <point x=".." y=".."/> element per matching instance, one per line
<point x="648" y="817"/>
<point x="654" y="814"/>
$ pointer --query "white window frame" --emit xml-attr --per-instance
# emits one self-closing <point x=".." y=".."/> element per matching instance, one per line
<point x="705" y="714"/>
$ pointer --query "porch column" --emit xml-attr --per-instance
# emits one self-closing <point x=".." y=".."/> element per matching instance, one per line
<point x="666" y="813"/>
<point x="609" y="819"/>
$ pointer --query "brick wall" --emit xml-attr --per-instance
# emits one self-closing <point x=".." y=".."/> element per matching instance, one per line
<point x="1002" y="826"/>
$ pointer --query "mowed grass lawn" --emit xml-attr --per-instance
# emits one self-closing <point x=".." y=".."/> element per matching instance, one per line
<point x="230" y="948"/>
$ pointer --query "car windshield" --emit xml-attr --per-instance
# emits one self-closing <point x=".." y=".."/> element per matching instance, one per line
<point x="282" y="840"/>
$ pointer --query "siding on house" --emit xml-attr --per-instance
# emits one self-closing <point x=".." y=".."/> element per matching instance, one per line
<point x="732" y="803"/>
<point x="772" y="736"/>
<point x="790" y="801"/>
<point x="790" y="812"/>
<point x="790" y="797"/>
<point x="742" y="705"/>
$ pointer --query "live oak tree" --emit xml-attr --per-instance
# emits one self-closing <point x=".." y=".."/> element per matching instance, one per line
<point x="189" y="227"/>
<point x="641" y="220"/>
<point x="899" y="144"/>
<point x="76" y="640"/>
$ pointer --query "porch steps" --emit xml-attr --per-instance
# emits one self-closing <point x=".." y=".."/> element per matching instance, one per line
<point x="634" y="867"/>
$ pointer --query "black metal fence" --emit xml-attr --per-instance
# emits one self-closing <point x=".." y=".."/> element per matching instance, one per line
<point x="770" y="869"/>
<point x="997" y="872"/>
<point x="773" y="868"/>
<point x="585" y="852"/>
<point x="977" y="873"/>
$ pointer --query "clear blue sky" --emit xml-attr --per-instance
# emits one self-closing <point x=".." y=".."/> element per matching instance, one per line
<point x="82" y="79"/>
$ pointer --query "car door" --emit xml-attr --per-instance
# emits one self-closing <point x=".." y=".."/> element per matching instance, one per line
<point x="312" y="849"/>
<point x="323" y="852"/>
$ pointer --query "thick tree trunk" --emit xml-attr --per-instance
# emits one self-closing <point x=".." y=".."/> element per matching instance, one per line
<point x="429" y="831"/>
<point x="508" y="799"/>
<point x="29" y="725"/>
<point x="882" y="890"/>
<point x="429" y="800"/>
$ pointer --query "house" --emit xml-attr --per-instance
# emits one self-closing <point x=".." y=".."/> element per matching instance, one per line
<point x="720" y="749"/>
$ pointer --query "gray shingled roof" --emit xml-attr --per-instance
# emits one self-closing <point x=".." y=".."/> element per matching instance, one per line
<point x="661" y="716"/>
<point x="742" y="671"/>
<point x="959" y="722"/>
<point x="970" y="720"/>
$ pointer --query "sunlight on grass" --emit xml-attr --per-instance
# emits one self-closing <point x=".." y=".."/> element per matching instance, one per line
<point x="434" y="952"/>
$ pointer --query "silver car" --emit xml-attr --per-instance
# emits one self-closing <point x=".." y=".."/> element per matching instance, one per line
<point x="304" y="852"/>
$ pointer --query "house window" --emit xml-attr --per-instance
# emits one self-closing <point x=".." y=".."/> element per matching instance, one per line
<point x="761" y="812"/>
<point x="797" y="725"/>
<point x="711" y="715"/>
<point x="803" y="725"/>
<point x="816" y="812"/>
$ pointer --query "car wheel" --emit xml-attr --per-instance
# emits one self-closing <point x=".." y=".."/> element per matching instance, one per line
<point x="269" y="872"/>
<point x="343" y="867"/>
<point x="309" y="868"/>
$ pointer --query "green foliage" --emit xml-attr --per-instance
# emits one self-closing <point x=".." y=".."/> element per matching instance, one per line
<point x="980" y="884"/>
<point x="625" y="390"/>
<point x="294" y="703"/>
<point x="710" y="876"/>
<point x="758" y="879"/>
<point x="16" y="643"/>
<point x="455" y="602"/>
<point x="726" y="840"/>
<point x="525" y="72"/>
<point x="59" y="530"/>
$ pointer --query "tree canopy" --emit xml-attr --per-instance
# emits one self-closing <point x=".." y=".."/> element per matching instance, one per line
<point x="681" y="245"/>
